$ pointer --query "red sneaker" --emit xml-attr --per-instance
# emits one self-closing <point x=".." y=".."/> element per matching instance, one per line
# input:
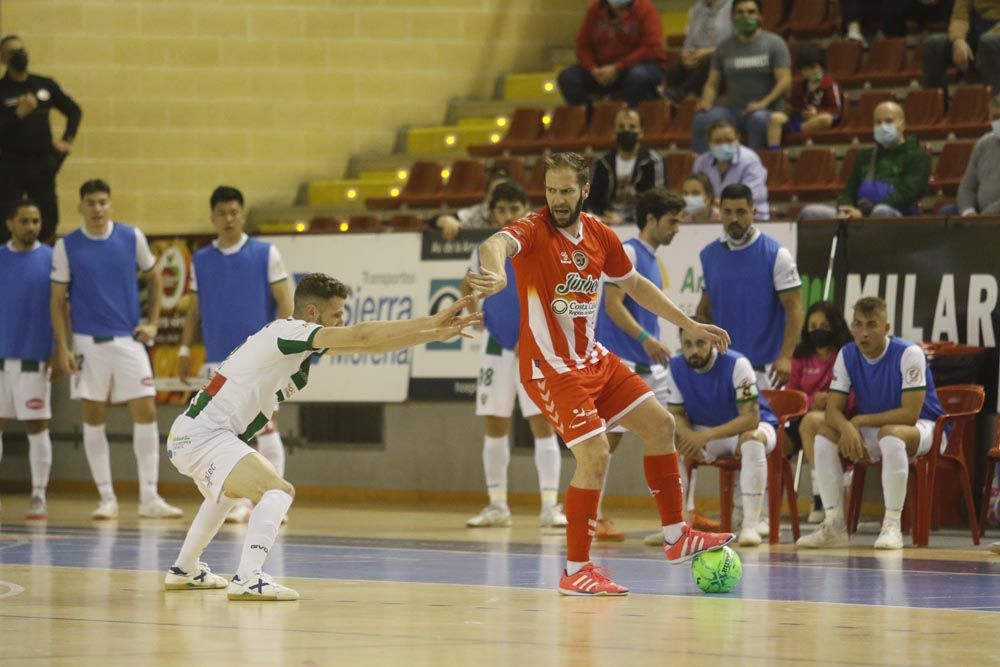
<point x="606" y="531"/>
<point x="590" y="580"/>
<point x="693" y="542"/>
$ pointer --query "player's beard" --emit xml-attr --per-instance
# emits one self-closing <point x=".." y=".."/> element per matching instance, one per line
<point x="698" y="363"/>
<point x="572" y="218"/>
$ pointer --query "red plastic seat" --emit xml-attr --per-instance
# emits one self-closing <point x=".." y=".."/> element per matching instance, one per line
<point x="514" y="167"/>
<point x="843" y="59"/>
<point x="568" y="124"/>
<point x="992" y="459"/>
<point x="773" y="16"/>
<point x="811" y="18"/>
<point x="362" y="224"/>
<point x="813" y="176"/>
<point x="924" y="111"/>
<point x="885" y="59"/>
<point x="404" y="222"/>
<point x="678" y="167"/>
<point x="778" y="167"/>
<point x="425" y="181"/>
<point x="525" y="126"/>
<point x="968" y="113"/>
<point x="951" y="166"/>
<point x="655" y="115"/>
<point x="961" y="404"/>
<point x="679" y="132"/>
<point x="535" y="190"/>
<point x="599" y="133"/>
<point x="466" y="185"/>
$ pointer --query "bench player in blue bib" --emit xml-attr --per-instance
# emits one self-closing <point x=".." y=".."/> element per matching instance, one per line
<point x="897" y="407"/>
<point x="238" y="285"/>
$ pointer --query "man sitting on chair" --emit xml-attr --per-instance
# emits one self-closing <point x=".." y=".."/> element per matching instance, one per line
<point x="897" y="407"/>
<point x="719" y="412"/>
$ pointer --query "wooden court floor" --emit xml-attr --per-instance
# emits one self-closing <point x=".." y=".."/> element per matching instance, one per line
<point x="383" y="585"/>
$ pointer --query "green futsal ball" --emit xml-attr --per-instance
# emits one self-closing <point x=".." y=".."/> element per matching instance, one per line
<point x="717" y="571"/>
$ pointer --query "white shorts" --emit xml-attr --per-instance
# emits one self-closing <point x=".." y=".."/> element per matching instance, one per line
<point x="655" y="379"/>
<point x="25" y="395"/>
<point x="114" y="371"/>
<point x="926" y="427"/>
<point x="728" y="446"/>
<point x="499" y="384"/>
<point x="206" y="455"/>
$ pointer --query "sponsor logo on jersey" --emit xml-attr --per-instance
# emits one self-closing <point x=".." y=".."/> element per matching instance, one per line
<point x="574" y="308"/>
<point x="35" y="403"/>
<point x="581" y="416"/>
<point x="147" y="381"/>
<point x="564" y="258"/>
<point x="745" y="389"/>
<point x="913" y="375"/>
<point x="577" y="284"/>
<point x="207" y="477"/>
<point x="580" y="260"/>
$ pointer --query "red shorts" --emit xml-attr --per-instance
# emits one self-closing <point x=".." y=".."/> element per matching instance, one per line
<point x="580" y="404"/>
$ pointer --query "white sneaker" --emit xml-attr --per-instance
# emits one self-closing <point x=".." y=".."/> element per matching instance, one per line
<point x="827" y="536"/>
<point x="259" y="587"/>
<point x="158" y="508"/>
<point x="995" y="547"/>
<point x="491" y="515"/>
<point x="764" y="526"/>
<point x="654" y="539"/>
<point x="750" y="537"/>
<point x="37" y="509"/>
<point x="552" y="517"/>
<point x="240" y="512"/>
<point x="200" y="579"/>
<point x="106" y="510"/>
<point x="891" y="536"/>
<point x="816" y="516"/>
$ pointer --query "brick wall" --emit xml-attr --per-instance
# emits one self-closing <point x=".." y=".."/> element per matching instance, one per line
<point x="180" y="96"/>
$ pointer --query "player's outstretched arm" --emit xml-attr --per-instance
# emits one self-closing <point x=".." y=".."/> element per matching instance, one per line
<point x="493" y="254"/>
<point x="652" y="298"/>
<point x="395" y="335"/>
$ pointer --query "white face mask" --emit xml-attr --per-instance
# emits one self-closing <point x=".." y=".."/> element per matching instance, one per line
<point x="694" y="203"/>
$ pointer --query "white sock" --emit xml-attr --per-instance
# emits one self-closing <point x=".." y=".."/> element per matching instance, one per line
<point x="204" y="527"/>
<point x="262" y="531"/>
<point x="895" y="472"/>
<point x="673" y="532"/>
<point x="830" y="476"/>
<point x="753" y="478"/>
<point x="572" y="567"/>
<point x="271" y="447"/>
<point x="548" y="461"/>
<point x="95" y="444"/>
<point x="146" y="445"/>
<point x="496" y="458"/>
<point x="40" y="456"/>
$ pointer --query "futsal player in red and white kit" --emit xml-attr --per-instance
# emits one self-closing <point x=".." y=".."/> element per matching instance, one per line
<point x="559" y="256"/>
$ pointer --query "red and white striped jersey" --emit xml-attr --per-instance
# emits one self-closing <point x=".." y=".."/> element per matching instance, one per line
<point x="559" y="282"/>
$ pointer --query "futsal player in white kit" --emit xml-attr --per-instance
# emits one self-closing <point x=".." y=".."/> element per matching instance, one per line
<point x="238" y="284"/>
<point x="96" y="266"/>
<point x="208" y="443"/>
<point x="26" y="343"/>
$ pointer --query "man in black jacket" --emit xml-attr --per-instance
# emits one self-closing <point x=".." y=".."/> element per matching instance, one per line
<point x="29" y="156"/>
<point x="623" y="174"/>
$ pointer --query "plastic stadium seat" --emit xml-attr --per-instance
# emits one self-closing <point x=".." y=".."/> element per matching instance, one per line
<point x="514" y="167"/>
<point x="778" y="168"/>
<point x="773" y="16"/>
<point x="813" y="177"/>
<point x="678" y="167"/>
<point x="467" y="184"/>
<point x="655" y="115"/>
<point x="679" y="132"/>
<point x="992" y="459"/>
<point x="923" y="110"/>
<point x="599" y="133"/>
<point x="363" y="223"/>
<point x="535" y="189"/>
<point x="885" y="59"/>
<point x="843" y="59"/>
<point x="968" y="113"/>
<point x="405" y="223"/>
<point x="951" y="166"/>
<point x="847" y="166"/>
<point x="425" y="179"/>
<point x="525" y="126"/>
<point x="858" y="121"/>
<point x="811" y="18"/>
<point x="568" y="124"/>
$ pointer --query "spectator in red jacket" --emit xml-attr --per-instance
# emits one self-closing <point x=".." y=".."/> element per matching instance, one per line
<point x="619" y="52"/>
<point x="816" y="103"/>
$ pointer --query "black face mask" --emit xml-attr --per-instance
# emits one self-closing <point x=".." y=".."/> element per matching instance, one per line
<point x="18" y="60"/>
<point x="627" y="141"/>
<point x="821" y="337"/>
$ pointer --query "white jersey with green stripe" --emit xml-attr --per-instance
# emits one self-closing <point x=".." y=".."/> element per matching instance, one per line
<point x="269" y="367"/>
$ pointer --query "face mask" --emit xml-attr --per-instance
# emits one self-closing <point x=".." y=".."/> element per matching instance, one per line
<point x="724" y="152"/>
<point x="627" y="140"/>
<point x="817" y="77"/>
<point x="619" y="4"/>
<point x="18" y="60"/>
<point x="694" y="203"/>
<point x="886" y="134"/>
<point x="821" y="337"/>
<point x="745" y="26"/>
<point x="996" y="127"/>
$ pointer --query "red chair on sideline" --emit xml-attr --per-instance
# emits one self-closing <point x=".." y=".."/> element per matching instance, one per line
<point x="961" y="404"/>
<point x="992" y="459"/>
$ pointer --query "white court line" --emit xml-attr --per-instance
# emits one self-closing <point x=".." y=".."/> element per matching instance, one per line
<point x="13" y="589"/>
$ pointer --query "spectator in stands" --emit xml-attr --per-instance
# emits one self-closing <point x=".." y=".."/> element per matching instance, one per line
<point x="823" y="334"/>
<point x="30" y="157"/>
<point x="619" y="52"/>
<point x="709" y="22"/>
<point x="621" y="175"/>
<point x="476" y="216"/>
<point x="816" y="103"/>
<point x="892" y="15"/>
<point x="700" y="204"/>
<point x="972" y="37"/>
<point x="979" y="193"/>
<point x="728" y="162"/>
<point x="887" y="180"/>
<point x="755" y="67"/>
